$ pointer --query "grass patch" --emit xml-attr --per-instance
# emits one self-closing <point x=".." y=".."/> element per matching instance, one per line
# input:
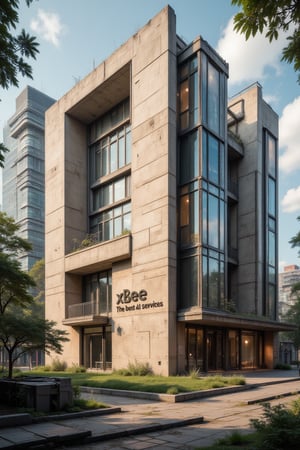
<point x="148" y="383"/>
<point x="81" y="404"/>
<point x="234" y="441"/>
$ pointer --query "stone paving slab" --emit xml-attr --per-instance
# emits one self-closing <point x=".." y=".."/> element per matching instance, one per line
<point x="42" y="434"/>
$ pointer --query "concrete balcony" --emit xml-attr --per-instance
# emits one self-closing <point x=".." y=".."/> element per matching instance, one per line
<point x="87" y="313"/>
<point x="99" y="256"/>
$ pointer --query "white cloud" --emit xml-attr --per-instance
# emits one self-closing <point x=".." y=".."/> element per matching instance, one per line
<point x="289" y="137"/>
<point x="282" y="265"/>
<point x="248" y="60"/>
<point x="49" y="26"/>
<point x="291" y="200"/>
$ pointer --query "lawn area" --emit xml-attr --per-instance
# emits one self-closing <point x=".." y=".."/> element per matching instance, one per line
<point x="234" y="441"/>
<point x="148" y="383"/>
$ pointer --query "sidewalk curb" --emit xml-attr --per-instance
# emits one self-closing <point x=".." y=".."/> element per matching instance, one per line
<point x="145" y="429"/>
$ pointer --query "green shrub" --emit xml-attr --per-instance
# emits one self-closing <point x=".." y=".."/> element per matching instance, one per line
<point x="296" y="407"/>
<point x="42" y="368"/>
<point x="281" y="366"/>
<point x="58" y="365"/>
<point x="172" y="390"/>
<point x="76" y="369"/>
<point x="235" y="438"/>
<point x="279" y="428"/>
<point x="76" y="391"/>
<point x="136" y="369"/>
<point x="194" y="373"/>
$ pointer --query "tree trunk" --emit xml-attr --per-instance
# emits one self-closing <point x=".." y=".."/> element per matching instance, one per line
<point x="10" y="364"/>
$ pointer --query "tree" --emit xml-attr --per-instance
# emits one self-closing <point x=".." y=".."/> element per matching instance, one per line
<point x="23" y="332"/>
<point x="37" y="273"/>
<point x="10" y="242"/>
<point x="272" y="16"/>
<point x="295" y="240"/>
<point x="14" y="283"/>
<point x="293" y="316"/>
<point x="14" y="51"/>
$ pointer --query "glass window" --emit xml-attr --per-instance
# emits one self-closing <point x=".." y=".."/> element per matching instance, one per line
<point x="272" y="301"/>
<point x="111" y="153"/>
<point x="119" y="190"/>
<point x="213" y="96"/>
<point x="213" y="160"/>
<point x="272" y="249"/>
<point x="184" y="96"/>
<point x="189" y="282"/>
<point x="271" y="196"/>
<point x="204" y="217"/>
<point x="213" y="221"/>
<point x="204" y="86"/>
<point x="213" y="283"/>
<point x="128" y="145"/>
<point x="194" y="102"/>
<point x="97" y="289"/>
<point x="121" y="148"/>
<point x="189" y="93"/>
<point x="110" y="193"/>
<point x="213" y="280"/>
<point x="213" y="83"/>
<point x="104" y="158"/>
<point x="110" y="120"/>
<point x="271" y="146"/>
<point x="221" y="165"/>
<point x="189" y="157"/>
<point x="189" y="218"/>
<point x="111" y="223"/>
<point x="222" y="225"/>
<point x="204" y="282"/>
<point x="204" y="155"/>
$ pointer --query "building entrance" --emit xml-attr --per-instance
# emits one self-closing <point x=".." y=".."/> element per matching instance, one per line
<point x="97" y="348"/>
<point x="210" y="349"/>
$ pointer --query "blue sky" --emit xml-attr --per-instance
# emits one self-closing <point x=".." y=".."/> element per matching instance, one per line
<point x="75" y="36"/>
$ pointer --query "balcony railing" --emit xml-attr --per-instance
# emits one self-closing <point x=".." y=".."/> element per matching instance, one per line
<point x="88" y="309"/>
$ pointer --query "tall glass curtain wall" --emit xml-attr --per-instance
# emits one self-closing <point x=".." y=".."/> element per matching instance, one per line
<point x="202" y="104"/>
<point x="109" y="174"/>
<point x="271" y="250"/>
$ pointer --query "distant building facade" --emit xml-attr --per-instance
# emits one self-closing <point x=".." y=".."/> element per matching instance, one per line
<point x="287" y="280"/>
<point x="161" y="212"/>
<point x="23" y="180"/>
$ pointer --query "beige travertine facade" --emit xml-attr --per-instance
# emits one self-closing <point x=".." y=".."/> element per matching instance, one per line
<point x="150" y="315"/>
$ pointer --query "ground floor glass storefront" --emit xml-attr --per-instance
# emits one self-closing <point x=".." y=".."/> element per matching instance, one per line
<point x="97" y="348"/>
<point x="210" y="349"/>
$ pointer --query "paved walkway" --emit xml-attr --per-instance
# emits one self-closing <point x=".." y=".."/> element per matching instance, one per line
<point x="145" y="424"/>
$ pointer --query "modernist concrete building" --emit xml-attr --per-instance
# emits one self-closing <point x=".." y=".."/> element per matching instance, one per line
<point x="161" y="211"/>
<point x="23" y="179"/>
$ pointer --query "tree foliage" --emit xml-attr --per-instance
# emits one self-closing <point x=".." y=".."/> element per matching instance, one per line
<point x="22" y="332"/>
<point x="293" y="316"/>
<point x="15" y="50"/>
<point x="10" y="242"/>
<point x="22" y="325"/>
<point x="14" y="283"/>
<point x="295" y="240"/>
<point x="269" y="16"/>
<point x="37" y="273"/>
<point x="278" y="428"/>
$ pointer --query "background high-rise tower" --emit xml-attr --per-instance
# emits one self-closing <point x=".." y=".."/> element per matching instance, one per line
<point x="23" y="174"/>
